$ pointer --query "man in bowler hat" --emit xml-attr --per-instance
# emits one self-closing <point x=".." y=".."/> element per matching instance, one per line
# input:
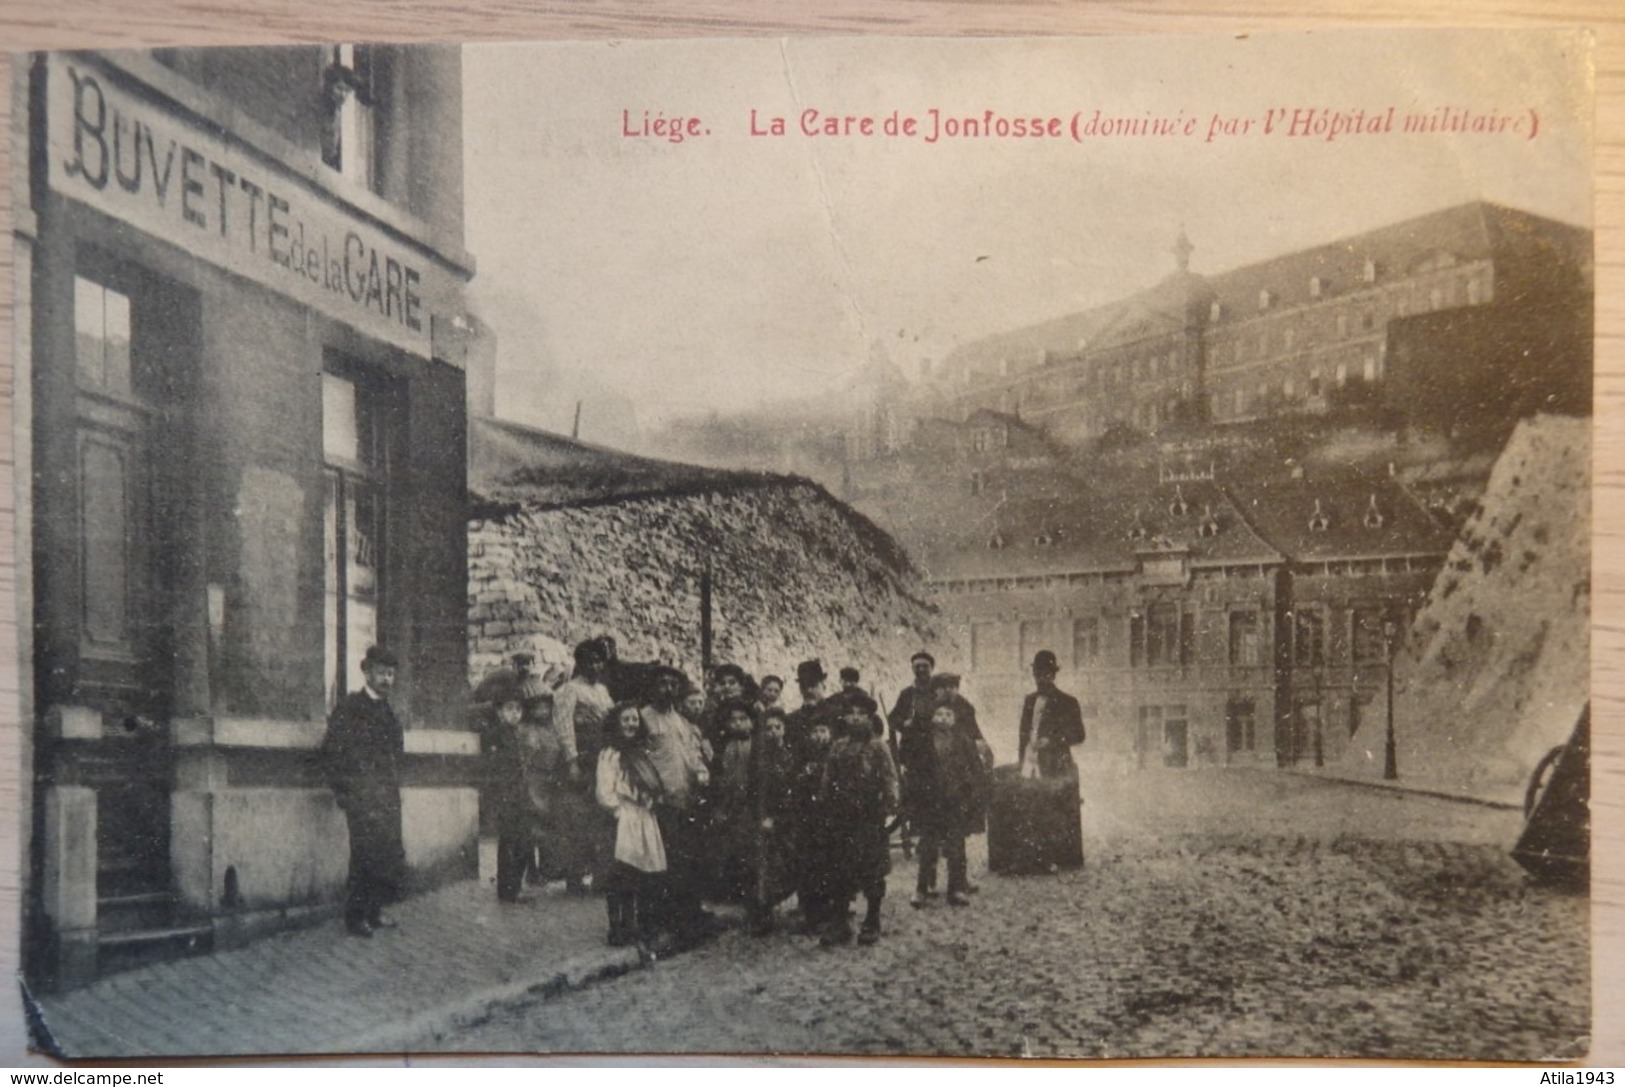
<point x="810" y="677"/>
<point x="1051" y="723"/>
<point x="362" y="753"/>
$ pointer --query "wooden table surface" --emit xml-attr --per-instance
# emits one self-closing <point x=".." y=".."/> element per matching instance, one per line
<point x="55" y="24"/>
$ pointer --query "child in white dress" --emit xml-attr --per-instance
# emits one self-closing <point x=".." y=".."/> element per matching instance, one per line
<point x="628" y="787"/>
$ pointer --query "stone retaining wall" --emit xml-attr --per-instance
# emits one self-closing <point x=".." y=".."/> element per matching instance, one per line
<point x="796" y="574"/>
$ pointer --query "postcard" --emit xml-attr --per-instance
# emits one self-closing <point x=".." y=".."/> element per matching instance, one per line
<point x="1054" y="548"/>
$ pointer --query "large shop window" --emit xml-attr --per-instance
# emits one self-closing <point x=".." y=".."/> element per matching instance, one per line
<point x="354" y="446"/>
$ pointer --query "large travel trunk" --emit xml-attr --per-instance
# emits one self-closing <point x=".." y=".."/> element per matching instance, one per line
<point x="1033" y="825"/>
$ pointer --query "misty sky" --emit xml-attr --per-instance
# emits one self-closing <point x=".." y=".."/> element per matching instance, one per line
<point x="728" y="270"/>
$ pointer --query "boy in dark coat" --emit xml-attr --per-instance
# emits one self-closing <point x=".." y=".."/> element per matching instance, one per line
<point x="735" y="822"/>
<point x="947" y="803"/>
<point x="860" y="794"/>
<point x="773" y="773"/>
<point x="502" y="698"/>
<point x="808" y="832"/>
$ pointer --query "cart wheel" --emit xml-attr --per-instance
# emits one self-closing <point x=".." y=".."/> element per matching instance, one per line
<point x="1540" y="779"/>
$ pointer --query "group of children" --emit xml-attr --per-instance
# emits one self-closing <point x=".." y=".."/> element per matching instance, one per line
<point x="728" y="798"/>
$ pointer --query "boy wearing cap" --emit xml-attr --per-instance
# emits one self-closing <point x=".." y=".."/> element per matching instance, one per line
<point x="860" y="794"/>
<point x="362" y="754"/>
<point x="947" y="783"/>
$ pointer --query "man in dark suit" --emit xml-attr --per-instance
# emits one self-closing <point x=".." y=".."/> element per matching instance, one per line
<point x="362" y="753"/>
<point x="1051" y="723"/>
<point x="1033" y="823"/>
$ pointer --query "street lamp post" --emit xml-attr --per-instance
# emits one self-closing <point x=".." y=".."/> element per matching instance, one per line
<point x="1390" y="756"/>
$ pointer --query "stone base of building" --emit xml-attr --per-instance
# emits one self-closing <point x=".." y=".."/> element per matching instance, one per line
<point x="256" y="845"/>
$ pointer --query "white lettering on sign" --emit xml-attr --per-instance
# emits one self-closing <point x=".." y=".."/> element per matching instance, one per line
<point x="176" y="180"/>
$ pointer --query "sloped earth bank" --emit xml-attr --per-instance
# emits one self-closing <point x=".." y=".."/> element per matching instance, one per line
<point x="1496" y="670"/>
<point x="1232" y="913"/>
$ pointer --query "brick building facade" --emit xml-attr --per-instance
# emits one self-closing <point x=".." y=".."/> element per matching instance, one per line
<point x="242" y="283"/>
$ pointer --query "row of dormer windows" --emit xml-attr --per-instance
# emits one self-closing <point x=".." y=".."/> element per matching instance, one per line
<point x="1318" y="288"/>
<point x="1436" y="285"/>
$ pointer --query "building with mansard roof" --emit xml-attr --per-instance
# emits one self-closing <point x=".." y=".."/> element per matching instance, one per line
<point x="1201" y="620"/>
<point x="1383" y="315"/>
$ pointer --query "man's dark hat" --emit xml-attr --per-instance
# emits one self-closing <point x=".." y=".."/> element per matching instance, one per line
<point x="945" y="681"/>
<point x="810" y="672"/>
<point x="849" y="674"/>
<point x="1044" y="661"/>
<point x="922" y="655"/>
<point x="380" y="656"/>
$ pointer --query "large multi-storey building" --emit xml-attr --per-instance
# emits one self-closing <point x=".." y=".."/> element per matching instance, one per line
<point x="241" y="279"/>
<point x="1303" y="333"/>
<point x="1212" y="600"/>
<point x="1205" y="608"/>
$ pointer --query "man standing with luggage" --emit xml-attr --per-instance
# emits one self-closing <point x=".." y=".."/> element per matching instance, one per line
<point x="1051" y="724"/>
<point x="1033" y="825"/>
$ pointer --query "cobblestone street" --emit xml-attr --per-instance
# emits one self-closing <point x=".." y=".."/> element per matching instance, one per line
<point x="1220" y="914"/>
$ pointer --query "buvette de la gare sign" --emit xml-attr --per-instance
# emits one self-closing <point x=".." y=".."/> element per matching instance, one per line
<point x="147" y="164"/>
